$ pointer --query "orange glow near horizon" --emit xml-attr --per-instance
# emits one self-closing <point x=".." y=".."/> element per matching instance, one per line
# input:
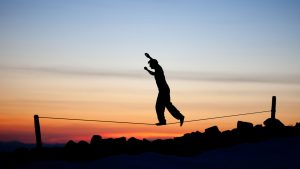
<point x="60" y="131"/>
<point x="133" y="101"/>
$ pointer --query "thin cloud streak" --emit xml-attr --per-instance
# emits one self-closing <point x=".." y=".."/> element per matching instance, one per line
<point x="75" y="71"/>
<point x="189" y="76"/>
<point x="234" y="77"/>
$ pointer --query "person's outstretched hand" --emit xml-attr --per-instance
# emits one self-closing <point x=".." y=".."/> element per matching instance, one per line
<point x="148" y="56"/>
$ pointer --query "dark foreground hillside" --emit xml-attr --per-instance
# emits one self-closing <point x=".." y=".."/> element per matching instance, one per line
<point x="189" y="145"/>
<point x="277" y="153"/>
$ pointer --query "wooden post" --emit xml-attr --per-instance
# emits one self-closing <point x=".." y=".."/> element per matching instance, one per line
<point x="37" y="132"/>
<point x="273" y="110"/>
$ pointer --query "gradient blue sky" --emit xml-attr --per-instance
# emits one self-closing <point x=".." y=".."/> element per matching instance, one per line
<point x="231" y="36"/>
<point x="64" y="56"/>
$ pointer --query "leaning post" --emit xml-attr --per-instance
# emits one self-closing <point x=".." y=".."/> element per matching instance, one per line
<point x="273" y="110"/>
<point x="37" y="132"/>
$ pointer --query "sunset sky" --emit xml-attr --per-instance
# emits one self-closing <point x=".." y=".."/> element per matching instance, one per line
<point x="85" y="59"/>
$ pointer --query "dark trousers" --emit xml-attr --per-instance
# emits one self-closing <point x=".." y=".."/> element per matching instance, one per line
<point x="164" y="101"/>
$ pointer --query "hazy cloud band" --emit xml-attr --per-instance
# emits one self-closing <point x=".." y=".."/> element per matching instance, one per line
<point x="194" y="76"/>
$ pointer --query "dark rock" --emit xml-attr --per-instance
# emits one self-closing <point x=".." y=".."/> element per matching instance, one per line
<point x="146" y="142"/>
<point x="212" y="131"/>
<point x="297" y="125"/>
<point x="226" y="132"/>
<point x="121" y="140"/>
<point x="196" y="135"/>
<point x="83" y="145"/>
<point x="108" y="142"/>
<point x="133" y="140"/>
<point x="96" y="140"/>
<point x="135" y="145"/>
<point x="241" y="125"/>
<point x="259" y="126"/>
<point x="297" y="128"/>
<point x="273" y="123"/>
<point x="71" y="145"/>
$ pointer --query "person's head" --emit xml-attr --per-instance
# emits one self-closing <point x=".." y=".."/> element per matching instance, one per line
<point x="153" y="63"/>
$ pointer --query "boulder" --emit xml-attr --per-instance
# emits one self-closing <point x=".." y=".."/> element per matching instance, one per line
<point x="258" y="126"/>
<point x="273" y="123"/>
<point x="71" y="145"/>
<point x="241" y="125"/>
<point x="297" y="125"/>
<point x="133" y="140"/>
<point x="96" y="140"/>
<point x="83" y="145"/>
<point x="212" y="131"/>
<point x="120" y="140"/>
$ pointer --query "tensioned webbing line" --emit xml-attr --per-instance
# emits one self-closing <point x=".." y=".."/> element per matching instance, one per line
<point x="102" y="121"/>
<point x="220" y="117"/>
<point x="126" y="122"/>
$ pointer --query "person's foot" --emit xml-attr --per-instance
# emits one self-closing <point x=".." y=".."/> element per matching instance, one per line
<point x="181" y="121"/>
<point x="161" y="123"/>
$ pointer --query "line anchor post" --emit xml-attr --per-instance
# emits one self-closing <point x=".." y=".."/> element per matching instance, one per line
<point x="273" y="110"/>
<point x="37" y="132"/>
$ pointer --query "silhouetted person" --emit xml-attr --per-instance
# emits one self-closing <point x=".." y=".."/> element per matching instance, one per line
<point x="163" y="99"/>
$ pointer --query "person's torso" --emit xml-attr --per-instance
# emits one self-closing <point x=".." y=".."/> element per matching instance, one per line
<point x="161" y="80"/>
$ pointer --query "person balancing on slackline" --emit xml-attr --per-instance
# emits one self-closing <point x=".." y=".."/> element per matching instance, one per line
<point x="163" y="99"/>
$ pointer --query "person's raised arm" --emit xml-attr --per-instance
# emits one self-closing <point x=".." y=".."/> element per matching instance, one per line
<point x="149" y="71"/>
<point x="148" y="56"/>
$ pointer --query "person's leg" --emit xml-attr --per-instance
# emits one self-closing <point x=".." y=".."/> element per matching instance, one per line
<point x="174" y="111"/>
<point x="160" y="109"/>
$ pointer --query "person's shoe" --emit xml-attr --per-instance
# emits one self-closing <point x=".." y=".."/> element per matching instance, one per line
<point x="161" y="123"/>
<point x="181" y="121"/>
